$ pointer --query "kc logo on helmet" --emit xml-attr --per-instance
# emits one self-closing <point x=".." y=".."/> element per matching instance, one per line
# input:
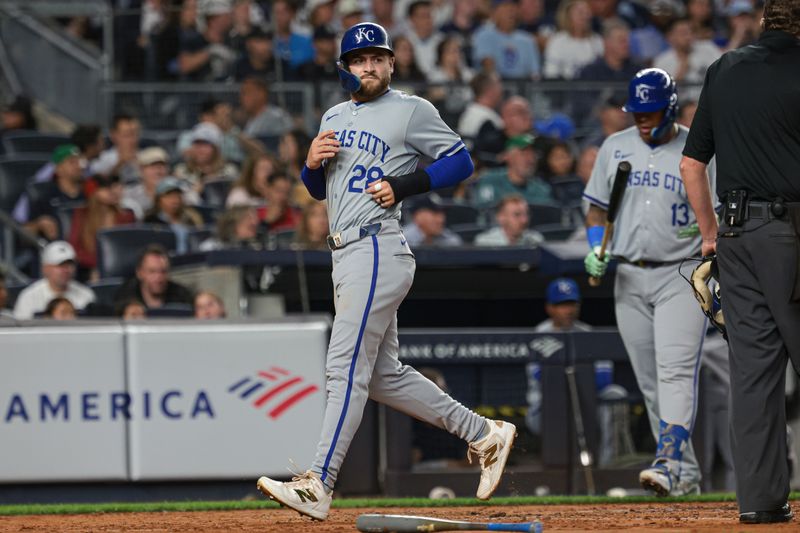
<point x="643" y="92"/>
<point x="364" y="34"/>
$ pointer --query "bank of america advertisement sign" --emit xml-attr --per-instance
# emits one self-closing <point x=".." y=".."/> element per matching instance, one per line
<point x="156" y="402"/>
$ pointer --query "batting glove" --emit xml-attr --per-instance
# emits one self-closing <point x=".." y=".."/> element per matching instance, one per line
<point x="689" y="231"/>
<point x="595" y="266"/>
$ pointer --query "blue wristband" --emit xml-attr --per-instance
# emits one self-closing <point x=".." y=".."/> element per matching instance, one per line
<point x="595" y="235"/>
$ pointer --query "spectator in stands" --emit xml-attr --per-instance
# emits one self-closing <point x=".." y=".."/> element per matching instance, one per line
<point x="633" y="13"/>
<point x="207" y="56"/>
<point x="701" y="17"/>
<point x="312" y="230"/>
<point x="575" y="45"/>
<point x="258" y="59"/>
<point x="422" y="34"/>
<point x="323" y="67"/>
<point x="263" y="119"/>
<point x="612" y="119"/>
<point x="59" y="308"/>
<point x="686" y="113"/>
<point x="350" y="12"/>
<point x="687" y="59"/>
<point x="251" y="187"/>
<point x="557" y="164"/>
<point x="512" y="229"/>
<point x="246" y="18"/>
<point x="463" y="22"/>
<point x="208" y="306"/>
<point x="615" y="64"/>
<point x="160" y="37"/>
<point x="406" y="68"/>
<point x="220" y="114"/>
<point x="428" y="226"/>
<point x="383" y="13"/>
<point x="5" y="312"/>
<point x="649" y="41"/>
<point x="743" y="23"/>
<point x="131" y="310"/>
<point x="488" y="93"/>
<point x="170" y="210"/>
<point x="290" y="46"/>
<point x="563" y="306"/>
<point x="321" y="13"/>
<point x="292" y="150"/>
<point x="66" y="187"/>
<point x="517" y="119"/>
<point x="449" y="90"/>
<point x="89" y="140"/>
<point x="516" y="177"/>
<point x="104" y="210"/>
<point x="151" y="284"/>
<point x="498" y="46"/>
<point x="18" y="115"/>
<point x="537" y="21"/>
<point x="278" y="213"/>
<point x="154" y="167"/>
<point x="203" y="162"/>
<point x="120" y="159"/>
<point x="237" y="227"/>
<point x="58" y="269"/>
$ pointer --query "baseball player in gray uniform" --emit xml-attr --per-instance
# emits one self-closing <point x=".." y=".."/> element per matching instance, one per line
<point x="363" y="161"/>
<point x="657" y="316"/>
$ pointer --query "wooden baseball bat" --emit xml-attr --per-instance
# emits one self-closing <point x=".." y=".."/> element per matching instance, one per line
<point x="388" y="523"/>
<point x="617" y="192"/>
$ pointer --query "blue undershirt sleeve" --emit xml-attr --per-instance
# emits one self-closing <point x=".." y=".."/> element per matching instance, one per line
<point x="314" y="181"/>
<point x="450" y="170"/>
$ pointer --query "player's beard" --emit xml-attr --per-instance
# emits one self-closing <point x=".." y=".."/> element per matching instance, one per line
<point x="375" y="89"/>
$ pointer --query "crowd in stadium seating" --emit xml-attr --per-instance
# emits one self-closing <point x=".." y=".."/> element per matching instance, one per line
<point x="233" y="178"/>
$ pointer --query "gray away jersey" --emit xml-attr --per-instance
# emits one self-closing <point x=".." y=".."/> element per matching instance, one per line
<point x="654" y="207"/>
<point x="382" y="137"/>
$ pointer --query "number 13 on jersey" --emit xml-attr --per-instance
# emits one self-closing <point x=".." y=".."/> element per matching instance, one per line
<point x="680" y="214"/>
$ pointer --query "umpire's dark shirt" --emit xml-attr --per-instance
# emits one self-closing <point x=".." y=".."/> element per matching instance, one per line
<point x="749" y="116"/>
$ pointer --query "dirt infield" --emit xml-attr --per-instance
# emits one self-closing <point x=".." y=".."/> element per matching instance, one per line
<point x="612" y="517"/>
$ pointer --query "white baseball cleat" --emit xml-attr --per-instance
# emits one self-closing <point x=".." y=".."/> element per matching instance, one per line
<point x="492" y="452"/>
<point x="659" y="478"/>
<point x="305" y="494"/>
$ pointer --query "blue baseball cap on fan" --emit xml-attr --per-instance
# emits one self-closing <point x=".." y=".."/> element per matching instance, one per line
<point x="563" y="290"/>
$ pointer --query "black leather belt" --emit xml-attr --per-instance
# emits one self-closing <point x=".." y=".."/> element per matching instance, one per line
<point x="646" y="264"/>
<point x="769" y="210"/>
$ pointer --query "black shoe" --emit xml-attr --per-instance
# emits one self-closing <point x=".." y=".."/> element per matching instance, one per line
<point x="784" y="514"/>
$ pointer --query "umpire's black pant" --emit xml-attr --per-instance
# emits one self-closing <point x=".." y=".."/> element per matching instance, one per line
<point x="757" y="271"/>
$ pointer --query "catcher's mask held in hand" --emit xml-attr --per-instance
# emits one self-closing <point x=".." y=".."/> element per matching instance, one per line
<point x="710" y="300"/>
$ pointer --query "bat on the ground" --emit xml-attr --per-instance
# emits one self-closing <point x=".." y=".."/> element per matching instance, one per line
<point x="617" y="191"/>
<point x="388" y="523"/>
<point x="580" y="432"/>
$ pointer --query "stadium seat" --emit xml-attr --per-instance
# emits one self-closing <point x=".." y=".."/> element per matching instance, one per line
<point x="541" y="214"/>
<point x="32" y="141"/>
<point x="64" y="214"/>
<point x="216" y="192"/>
<point x="270" y="142"/>
<point x="467" y="232"/>
<point x="568" y="191"/>
<point x="208" y="212"/>
<point x="460" y="213"/>
<point x="104" y="291"/>
<point x="15" y="174"/>
<point x="555" y="232"/>
<point x="171" y="311"/>
<point x="118" y="248"/>
<point x="197" y="236"/>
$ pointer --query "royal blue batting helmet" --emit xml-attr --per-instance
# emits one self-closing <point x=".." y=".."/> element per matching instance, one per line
<point x="365" y="35"/>
<point x="652" y="89"/>
<point x="362" y="35"/>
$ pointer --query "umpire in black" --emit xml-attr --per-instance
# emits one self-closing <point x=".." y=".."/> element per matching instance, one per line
<point x="749" y="117"/>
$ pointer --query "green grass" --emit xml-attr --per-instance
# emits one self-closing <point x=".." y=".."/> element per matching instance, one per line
<point x="372" y="503"/>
